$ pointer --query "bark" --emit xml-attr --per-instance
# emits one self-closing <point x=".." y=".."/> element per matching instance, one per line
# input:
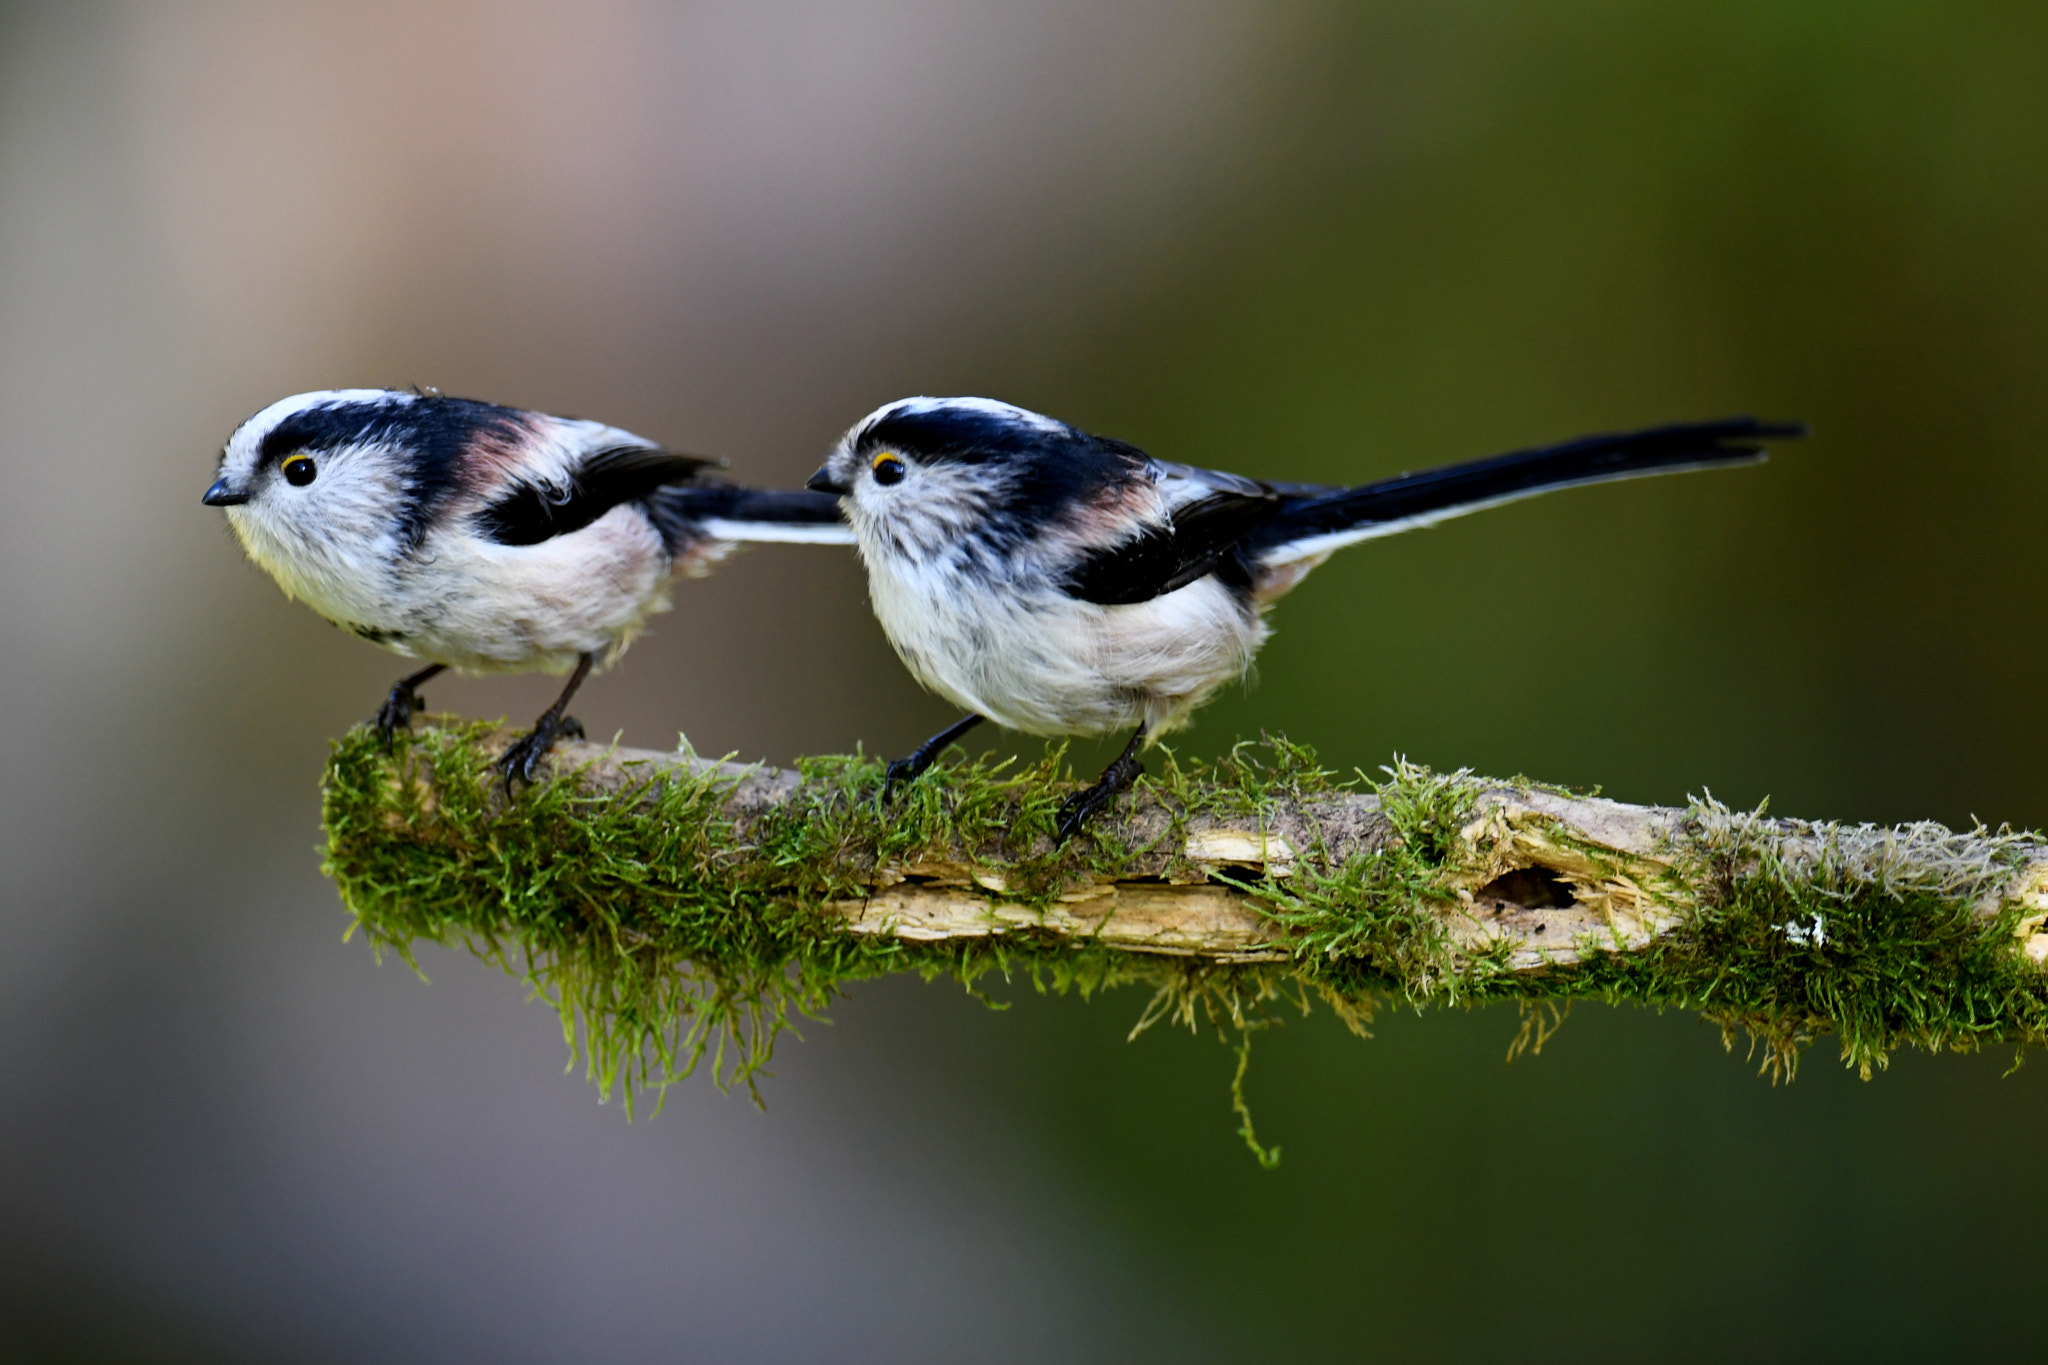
<point x="1548" y="877"/>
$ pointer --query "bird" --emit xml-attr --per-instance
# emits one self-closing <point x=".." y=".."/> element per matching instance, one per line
<point x="483" y="538"/>
<point x="1062" y="583"/>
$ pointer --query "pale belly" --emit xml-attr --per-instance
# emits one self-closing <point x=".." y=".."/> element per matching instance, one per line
<point x="1048" y="664"/>
<point x="486" y="608"/>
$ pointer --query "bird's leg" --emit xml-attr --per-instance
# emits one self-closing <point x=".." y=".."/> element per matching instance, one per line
<point x="905" y="770"/>
<point x="524" y="754"/>
<point x="1079" y="808"/>
<point x="396" y="712"/>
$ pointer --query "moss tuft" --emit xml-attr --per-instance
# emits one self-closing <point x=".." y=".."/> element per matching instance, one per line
<point x="1878" y="936"/>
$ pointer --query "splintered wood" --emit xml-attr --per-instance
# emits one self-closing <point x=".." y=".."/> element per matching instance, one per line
<point x="1551" y="877"/>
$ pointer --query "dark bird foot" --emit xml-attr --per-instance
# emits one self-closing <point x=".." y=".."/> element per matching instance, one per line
<point x="904" y="771"/>
<point x="402" y="704"/>
<point x="1077" y="810"/>
<point x="521" y="760"/>
<point x="396" y="713"/>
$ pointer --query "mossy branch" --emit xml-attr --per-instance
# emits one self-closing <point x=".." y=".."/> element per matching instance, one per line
<point x="670" y="904"/>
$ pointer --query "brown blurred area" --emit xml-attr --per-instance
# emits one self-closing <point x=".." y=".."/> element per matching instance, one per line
<point x="1308" y="241"/>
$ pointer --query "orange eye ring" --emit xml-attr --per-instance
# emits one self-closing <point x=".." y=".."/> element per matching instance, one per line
<point x="299" y="470"/>
<point x="887" y="469"/>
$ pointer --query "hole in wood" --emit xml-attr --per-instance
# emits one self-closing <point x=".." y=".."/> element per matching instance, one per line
<point x="1531" y="888"/>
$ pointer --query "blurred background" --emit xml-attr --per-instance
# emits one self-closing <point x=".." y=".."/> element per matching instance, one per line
<point x="1312" y="241"/>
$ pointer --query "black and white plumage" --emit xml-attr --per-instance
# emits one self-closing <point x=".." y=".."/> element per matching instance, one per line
<point x="1062" y="583"/>
<point x="484" y="538"/>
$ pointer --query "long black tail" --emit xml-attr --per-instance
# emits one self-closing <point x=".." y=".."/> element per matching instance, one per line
<point x="1310" y="525"/>
<point x="723" y="511"/>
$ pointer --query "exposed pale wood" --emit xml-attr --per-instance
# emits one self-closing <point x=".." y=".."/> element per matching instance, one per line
<point x="1629" y="871"/>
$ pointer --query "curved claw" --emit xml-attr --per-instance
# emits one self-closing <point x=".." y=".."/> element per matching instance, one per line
<point x="1077" y="810"/>
<point x="521" y="760"/>
<point x="901" y="772"/>
<point x="522" y="757"/>
<point x="403" y="700"/>
<point x="397" y="711"/>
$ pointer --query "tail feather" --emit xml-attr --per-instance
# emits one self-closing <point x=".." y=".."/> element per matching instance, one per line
<point x="723" y="511"/>
<point x="1315" y="525"/>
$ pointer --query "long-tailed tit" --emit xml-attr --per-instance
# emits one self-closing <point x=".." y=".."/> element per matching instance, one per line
<point x="1061" y="583"/>
<point x="484" y="538"/>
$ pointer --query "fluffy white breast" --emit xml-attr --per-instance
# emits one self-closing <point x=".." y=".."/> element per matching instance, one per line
<point x="485" y="607"/>
<point x="1034" y="659"/>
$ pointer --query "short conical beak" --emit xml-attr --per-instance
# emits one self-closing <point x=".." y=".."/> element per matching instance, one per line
<point x="222" y="495"/>
<point x="823" y="482"/>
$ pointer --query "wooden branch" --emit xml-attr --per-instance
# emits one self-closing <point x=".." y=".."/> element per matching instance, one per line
<point x="646" y="888"/>
<point x="1546" y="875"/>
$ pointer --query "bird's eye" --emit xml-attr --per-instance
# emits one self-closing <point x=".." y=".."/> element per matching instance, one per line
<point x="299" y="470"/>
<point x="888" y="470"/>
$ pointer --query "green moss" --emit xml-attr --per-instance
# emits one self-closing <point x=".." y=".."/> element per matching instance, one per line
<point x="1368" y="925"/>
<point x="1876" y="937"/>
<point x="660" y="938"/>
<point x="664" y="938"/>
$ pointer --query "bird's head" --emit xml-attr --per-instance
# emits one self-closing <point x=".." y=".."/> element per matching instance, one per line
<point x="347" y="478"/>
<point x="922" y="477"/>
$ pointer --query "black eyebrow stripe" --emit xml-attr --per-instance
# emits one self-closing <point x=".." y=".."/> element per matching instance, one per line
<point x="430" y="435"/>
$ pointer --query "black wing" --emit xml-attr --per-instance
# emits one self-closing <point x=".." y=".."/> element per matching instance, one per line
<point x="1205" y="529"/>
<point x="528" y="513"/>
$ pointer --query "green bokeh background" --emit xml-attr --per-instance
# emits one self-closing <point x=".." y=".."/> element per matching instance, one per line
<point x="1399" y="235"/>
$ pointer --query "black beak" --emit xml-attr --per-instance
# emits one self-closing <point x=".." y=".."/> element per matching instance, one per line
<point x="823" y="482"/>
<point x="220" y="495"/>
